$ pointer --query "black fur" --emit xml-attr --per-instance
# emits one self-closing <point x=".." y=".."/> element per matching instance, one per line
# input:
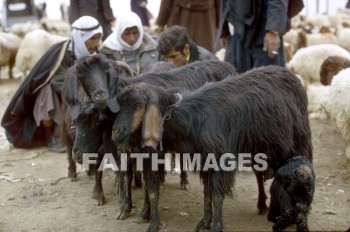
<point x="261" y="111"/>
<point x="189" y="77"/>
<point x="291" y="194"/>
<point x="88" y="90"/>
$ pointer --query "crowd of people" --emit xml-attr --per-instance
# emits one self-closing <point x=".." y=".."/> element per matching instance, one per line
<point x="189" y="31"/>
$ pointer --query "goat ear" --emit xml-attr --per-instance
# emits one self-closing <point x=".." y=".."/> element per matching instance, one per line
<point x="71" y="93"/>
<point x="74" y="111"/>
<point x="152" y="126"/>
<point x="113" y="104"/>
<point x="71" y="85"/>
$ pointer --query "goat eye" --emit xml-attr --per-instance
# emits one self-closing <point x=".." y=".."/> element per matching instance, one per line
<point x="139" y="105"/>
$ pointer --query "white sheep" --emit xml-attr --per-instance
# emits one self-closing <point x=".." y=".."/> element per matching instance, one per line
<point x="318" y="98"/>
<point x="343" y="35"/>
<point x="325" y="36"/>
<point x="56" y="27"/>
<point x="21" y="29"/>
<point x="339" y="95"/>
<point x="33" y="47"/>
<point x="307" y="61"/>
<point x="9" y="44"/>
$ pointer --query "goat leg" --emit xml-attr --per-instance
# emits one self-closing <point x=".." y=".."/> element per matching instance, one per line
<point x="274" y="209"/>
<point x="138" y="179"/>
<point x="218" y="200"/>
<point x="72" y="169"/>
<point x="301" y="217"/>
<point x="121" y="187"/>
<point x="183" y="177"/>
<point x="287" y="216"/>
<point x="145" y="214"/>
<point x="262" y="207"/>
<point x="97" y="193"/>
<point x="204" y="224"/>
<point x="153" y="190"/>
<point x="127" y="202"/>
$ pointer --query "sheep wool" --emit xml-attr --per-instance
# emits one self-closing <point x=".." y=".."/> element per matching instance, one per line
<point x="307" y="61"/>
<point x="339" y="96"/>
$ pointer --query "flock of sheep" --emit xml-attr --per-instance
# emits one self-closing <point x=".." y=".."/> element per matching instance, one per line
<point x="25" y="43"/>
<point x="316" y="49"/>
<point x="319" y="52"/>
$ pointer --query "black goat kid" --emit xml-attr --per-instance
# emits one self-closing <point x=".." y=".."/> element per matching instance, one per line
<point x="261" y="111"/>
<point x="292" y="192"/>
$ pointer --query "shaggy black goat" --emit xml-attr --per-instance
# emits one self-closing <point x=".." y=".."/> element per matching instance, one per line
<point x="261" y="111"/>
<point x="189" y="77"/>
<point x="292" y="192"/>
<point x="95" y="96"/>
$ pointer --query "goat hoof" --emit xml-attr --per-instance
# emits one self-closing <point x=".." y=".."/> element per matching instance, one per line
<point x="144" y="216"/>
<point x="262" y="210"/>
<point x="217" y="228"/>
<point x="98" y="201"/>
<point x="90" y="173"/>
<point x="153" y="228"/>
<point x="123" y="215"/>
<point x="72" y="176"/>
<point x="202" y="226"/>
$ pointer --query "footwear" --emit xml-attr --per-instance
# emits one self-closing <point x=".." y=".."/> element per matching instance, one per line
<point x="56" y="145"/>
<point x="54" y="141"/>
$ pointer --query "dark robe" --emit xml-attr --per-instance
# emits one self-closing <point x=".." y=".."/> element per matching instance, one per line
<point x="142" y="12"/>
<point x="18" y="120"/>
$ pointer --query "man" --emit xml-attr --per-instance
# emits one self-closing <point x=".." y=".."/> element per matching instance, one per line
<point x="131" y="44"/>
<point x="33" y="116"/>
<point x="252" y="31"/>
<point x="199" y="17"/>
<point x="177" y="48"/>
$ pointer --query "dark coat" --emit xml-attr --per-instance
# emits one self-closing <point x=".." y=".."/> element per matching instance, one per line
<point x="142" y="12"/>
<point x="18" y="120"/>
<point x="197" y="53"/>
<point x="99" y="9"/>
<point x="251" y="19"/>
<point x="200" y="17"/>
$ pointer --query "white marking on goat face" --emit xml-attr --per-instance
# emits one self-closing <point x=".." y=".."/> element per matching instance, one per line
<point x="152" y="128"/>
<point x="138" y="117"/>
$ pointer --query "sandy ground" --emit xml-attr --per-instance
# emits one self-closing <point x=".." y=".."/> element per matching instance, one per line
<point x="36" y="195"/>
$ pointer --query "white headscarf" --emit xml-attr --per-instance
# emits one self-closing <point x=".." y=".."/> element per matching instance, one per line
<point x="83" y="29"/>
<point x="115" y="42"/>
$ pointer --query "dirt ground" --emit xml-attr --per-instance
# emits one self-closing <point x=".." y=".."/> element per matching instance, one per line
<point x="36" y="195"/>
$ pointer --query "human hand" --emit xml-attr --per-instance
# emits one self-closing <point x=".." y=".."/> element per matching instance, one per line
<point x="272" y="43"/>
<point x="143" y="4"/>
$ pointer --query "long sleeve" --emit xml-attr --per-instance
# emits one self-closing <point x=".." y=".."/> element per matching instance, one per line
<point x="277" y="16"/>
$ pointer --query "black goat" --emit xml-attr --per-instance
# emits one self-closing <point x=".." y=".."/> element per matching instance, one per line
<point x="98" y="76"/>
<point x="261" y="111"/>
<point x="292" y="192"/>
<point x="188" y="77"/>
<point x="80" y="89"/>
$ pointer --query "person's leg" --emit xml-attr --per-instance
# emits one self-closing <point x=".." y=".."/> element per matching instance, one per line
<point x="47" y="112"/>
<point x="53" y="136"/>
<point x="237" y="55"/>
